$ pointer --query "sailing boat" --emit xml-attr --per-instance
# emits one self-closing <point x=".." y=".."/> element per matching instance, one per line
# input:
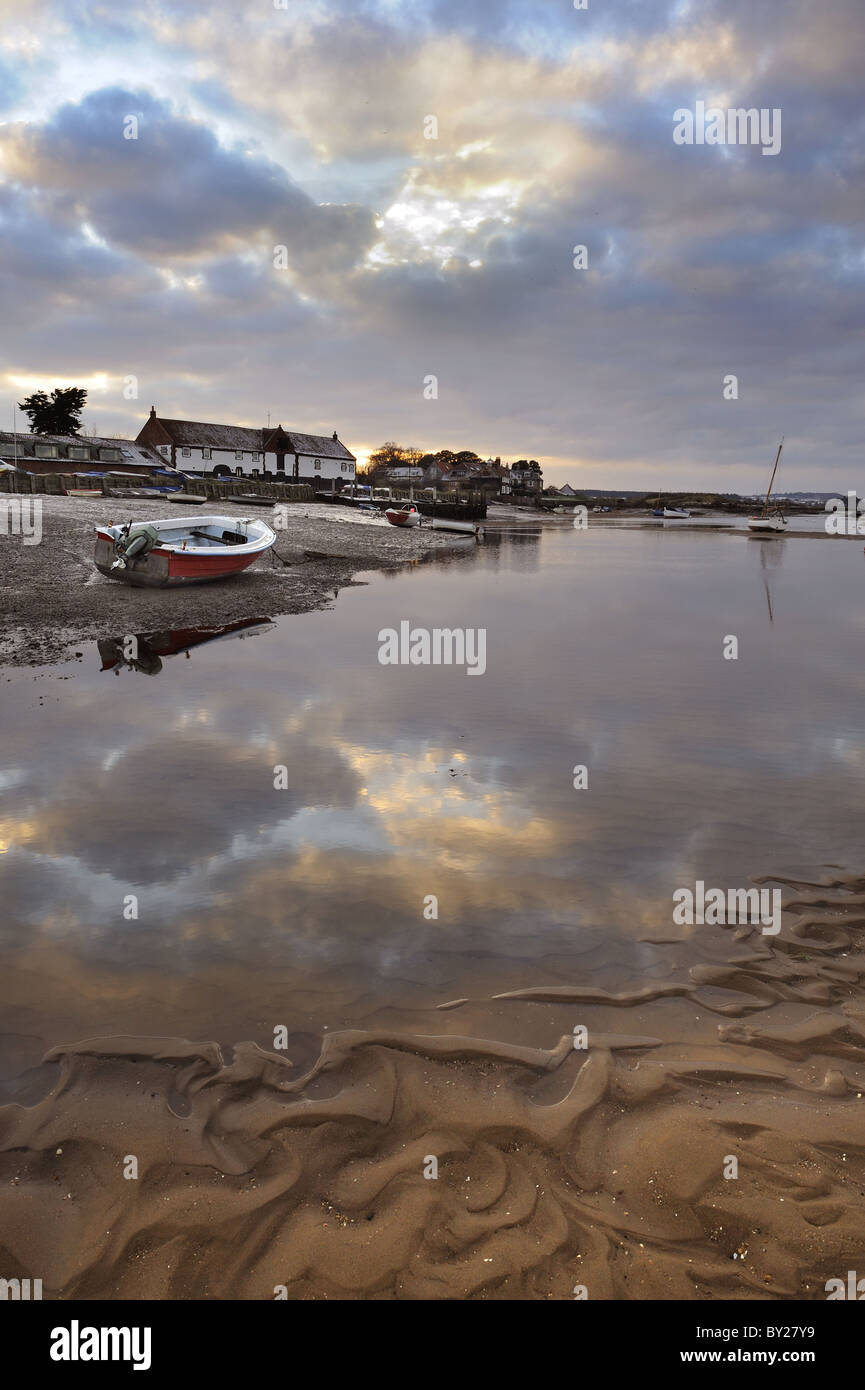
<point x="775" y="521"/>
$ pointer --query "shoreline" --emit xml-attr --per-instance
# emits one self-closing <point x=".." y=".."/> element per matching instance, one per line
<point x="55" y="599"/>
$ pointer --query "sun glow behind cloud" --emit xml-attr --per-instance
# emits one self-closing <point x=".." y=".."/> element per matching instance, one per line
<point x="424" y="223"/>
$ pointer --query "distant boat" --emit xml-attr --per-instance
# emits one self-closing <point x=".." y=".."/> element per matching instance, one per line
<point x="169" y="494"/>
<point x="769" y="521"/>
<point x="443" y="523"/>
<point x="83" y="492"/>
<point x="674" y="514"/>
<point x="180" y="550"/>
<point x="407" y="515"/>
<point x="252" y="499"/>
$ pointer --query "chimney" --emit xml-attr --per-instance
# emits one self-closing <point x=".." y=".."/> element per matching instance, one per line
<point x="334" y="434"/>
<point x="153" y="412"/>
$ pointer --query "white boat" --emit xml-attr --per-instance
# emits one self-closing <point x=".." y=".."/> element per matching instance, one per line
<point x="443" y="523"/>
<point x="407" y="515"/>
<point x="675" y="514"/>
<point x="767" y="523"/>
<point x="774" y="520"/>
<point x="180" y="550"/>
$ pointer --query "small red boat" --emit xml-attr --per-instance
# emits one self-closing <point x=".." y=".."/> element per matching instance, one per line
<point x="404" y="516"/>
<point x="180" y="550"/>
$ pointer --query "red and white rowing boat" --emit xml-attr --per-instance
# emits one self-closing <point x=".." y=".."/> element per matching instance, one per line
<point x="180" y="550"/>
<point x="403" y="516"/>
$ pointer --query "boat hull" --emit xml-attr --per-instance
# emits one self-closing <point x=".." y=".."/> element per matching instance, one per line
<point x="403" y="518"/>
<point x="163" y="569"/>
<point x="766" y="523"/>
<point x="168" y="563"/>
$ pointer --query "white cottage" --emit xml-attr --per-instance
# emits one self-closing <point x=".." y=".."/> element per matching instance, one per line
<point x="220" y="451"/>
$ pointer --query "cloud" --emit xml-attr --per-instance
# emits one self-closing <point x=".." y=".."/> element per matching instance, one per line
<point x="452" y="256"/>
<point x="172" y="189"/>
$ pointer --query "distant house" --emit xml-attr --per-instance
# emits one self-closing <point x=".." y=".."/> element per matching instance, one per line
<point x="567" y="491"/>
<point x="76" y="453"/>
<point x="222" y="450"/>
<point x="403" y="473"/>
<point x="463" y="473"/>
<point x="523" y="477"/>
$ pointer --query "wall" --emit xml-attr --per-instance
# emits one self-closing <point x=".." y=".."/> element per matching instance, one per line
<point x="307" y="472"/>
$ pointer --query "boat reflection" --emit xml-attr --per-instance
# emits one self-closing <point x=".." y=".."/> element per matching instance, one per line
<point x="144" y="651"/>
<point x="771" y="556"/>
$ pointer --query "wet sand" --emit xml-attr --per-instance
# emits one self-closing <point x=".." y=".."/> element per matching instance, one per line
<point x="261" y="1170"/>
<point x="54" y="599"/>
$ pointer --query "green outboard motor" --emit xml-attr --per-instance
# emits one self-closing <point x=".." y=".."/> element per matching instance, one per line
<point x="134" y="543"/>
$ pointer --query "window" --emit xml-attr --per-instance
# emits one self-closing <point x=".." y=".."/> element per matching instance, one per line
<point x="187" y="453"/>
<point x="45" y="451"/>
<point x="206" y="453"/>
<point x="78" y="451"/>
<point x="255" y="458"/>
<point x="317" y="465"/>
<point x="239" y="472"/>
<point x="238" y="454"/>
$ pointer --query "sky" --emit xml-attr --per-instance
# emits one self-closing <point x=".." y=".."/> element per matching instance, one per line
<point x="428" y="168"/>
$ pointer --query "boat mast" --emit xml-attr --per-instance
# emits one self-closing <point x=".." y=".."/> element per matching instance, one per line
<point x="772" y="479"/>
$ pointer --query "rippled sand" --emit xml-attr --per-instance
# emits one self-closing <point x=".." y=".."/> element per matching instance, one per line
<point x="557" y="1167"/>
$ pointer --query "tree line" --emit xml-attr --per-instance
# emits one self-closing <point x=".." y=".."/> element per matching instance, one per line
<point x="393" y="455"/>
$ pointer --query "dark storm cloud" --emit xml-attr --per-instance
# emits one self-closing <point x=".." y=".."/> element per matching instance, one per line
<point x="173" y="188"/>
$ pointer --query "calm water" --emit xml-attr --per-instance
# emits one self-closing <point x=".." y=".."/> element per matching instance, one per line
<point x="306" y="905"/>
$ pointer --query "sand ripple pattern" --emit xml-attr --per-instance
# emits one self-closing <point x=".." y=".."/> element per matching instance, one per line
<point x="557" y="1167"/>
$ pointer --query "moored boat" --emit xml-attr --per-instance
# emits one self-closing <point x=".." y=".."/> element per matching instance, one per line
<point x="83" y="492"/>
<point x="769" y="520"/>
<point x="143" y="492"/>
<point x="767" y="523"/>
<point x="180" y="550"/>
<point x="444" y="523"/>
<point x="407" y="515"/>
<point x="253" y="499"/>
<point x="675" y="514"/>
